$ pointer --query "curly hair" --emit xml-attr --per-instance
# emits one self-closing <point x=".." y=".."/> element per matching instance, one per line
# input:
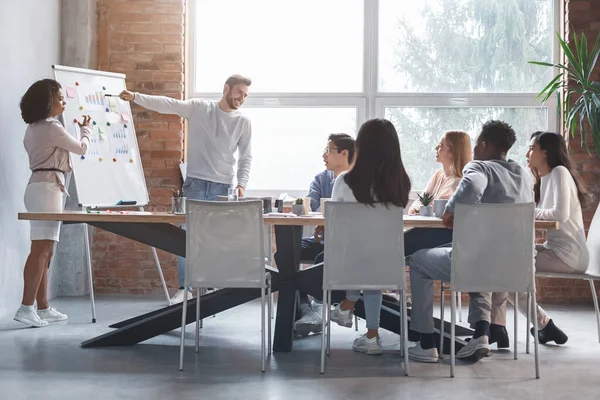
<point x="37" y="102"/>
<point x="498" y="133"/>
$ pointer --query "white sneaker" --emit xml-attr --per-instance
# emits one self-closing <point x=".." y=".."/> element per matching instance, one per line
<point x="30" y="318"/>
<point x="342" y="318"/>
<point x="417" y="353"/>
<point x="475" y="349"/>
<point x="368" y="346"/>
<point x="51" y="315"/>
<point x="311" y="320"/>
<point x="178" y="296"/>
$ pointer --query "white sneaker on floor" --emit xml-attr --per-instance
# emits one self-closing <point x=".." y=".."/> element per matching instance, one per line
<point x="51" y="315"/>
<point x="178" y="296"/>
<point x="342" y="318"/>
<point x="417" y="353"/>
<point x="30" y="318"/>
<point x="311" y="320"/>
<point x="475" y="349"/>
<point x="368" y="346"/>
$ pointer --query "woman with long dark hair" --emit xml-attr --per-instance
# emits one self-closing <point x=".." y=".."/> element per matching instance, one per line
<point x="377" y="175"/>
<point x="559" y="194"/>
<point x="48" y="145"/>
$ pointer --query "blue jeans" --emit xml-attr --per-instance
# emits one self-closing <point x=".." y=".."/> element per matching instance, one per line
<point x="199" y="189"/>
<point x="311" y="250"/>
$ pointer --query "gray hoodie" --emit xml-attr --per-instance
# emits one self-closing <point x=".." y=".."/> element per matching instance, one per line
<point x="493" y="181"/>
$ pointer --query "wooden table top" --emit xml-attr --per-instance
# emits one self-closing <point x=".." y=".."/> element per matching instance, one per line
<point x="410" y="221"/>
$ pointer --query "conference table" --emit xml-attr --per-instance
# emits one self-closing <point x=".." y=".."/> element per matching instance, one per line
<point x="161" y="230"/>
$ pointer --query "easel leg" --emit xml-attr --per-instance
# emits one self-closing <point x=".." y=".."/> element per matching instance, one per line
<point x="160" y="273"/>
<point x="88" y="259"/>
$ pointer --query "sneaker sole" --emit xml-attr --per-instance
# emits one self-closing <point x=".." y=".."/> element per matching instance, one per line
<point x="49" y="320"/>
<point x="29" y="323"/>
<point x="476" y="355"/>
<point x="344" y="324"/>
<point x="307" y="329"/>
<point x="371" y="352"/>
<point x="430" y="360"/>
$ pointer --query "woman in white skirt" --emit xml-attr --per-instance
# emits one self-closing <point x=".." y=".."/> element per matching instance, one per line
<point x="48" y="145"/>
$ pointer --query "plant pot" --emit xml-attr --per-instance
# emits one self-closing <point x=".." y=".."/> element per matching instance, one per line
<point x="298" y="209"/>
<point x="426" y="211"/>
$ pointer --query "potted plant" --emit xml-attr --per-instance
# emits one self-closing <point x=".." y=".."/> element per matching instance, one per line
<point x="426" y="207"/>
<point x="575" y="81"/>
<point x="298" y="207"/>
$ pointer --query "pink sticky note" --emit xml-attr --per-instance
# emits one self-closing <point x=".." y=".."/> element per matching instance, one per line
<point x="71" y="92"/>
<point x="125" y="116"/>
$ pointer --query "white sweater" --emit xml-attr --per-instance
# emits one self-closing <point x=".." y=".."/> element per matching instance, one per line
<point x="213" y="137"/>
<point x="559" y="202"/>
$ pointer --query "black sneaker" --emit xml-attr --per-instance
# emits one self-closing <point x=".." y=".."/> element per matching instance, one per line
<point x="551" y="333"/>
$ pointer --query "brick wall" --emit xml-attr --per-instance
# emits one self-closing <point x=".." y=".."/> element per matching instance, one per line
<point x="144" y="40"/>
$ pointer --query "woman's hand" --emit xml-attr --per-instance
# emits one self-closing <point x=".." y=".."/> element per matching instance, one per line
<point x="411" y="211"/>
<point x="127" y="95"/>
<point x="86" y="121"/>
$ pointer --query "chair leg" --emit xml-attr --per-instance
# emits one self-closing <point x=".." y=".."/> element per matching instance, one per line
<point x="329" y="323"/>
<point x="516" y="312"/>
<point x="404" y="332"/>
<point x="459" y="298"/>
<point x="262" y="330"/>
<point x="452" y="332"/>
<point x="270" y="298"/>
<point x="183" y="323"/>
<point x="198" y="322"/>
<point x="324" y="329"/>
<point x="442" y="310"/>
<point x="271" y="312"/>
<point x="527" y="335"/>
<point x="595" y="297"/>
<point x="355" y="322"/>
<point x="535" y="334"/>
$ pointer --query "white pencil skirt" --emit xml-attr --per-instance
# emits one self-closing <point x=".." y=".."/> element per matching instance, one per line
<point x="44" y="197"/>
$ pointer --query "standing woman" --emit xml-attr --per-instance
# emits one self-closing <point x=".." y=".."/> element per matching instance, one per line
<point x="48" y="145"/>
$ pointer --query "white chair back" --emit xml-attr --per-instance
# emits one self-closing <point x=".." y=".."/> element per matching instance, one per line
<point x="364" y="247"/>
<point x="493" y="248"/>
<point x="593" y="243"/>
<point x="224" y="244"/>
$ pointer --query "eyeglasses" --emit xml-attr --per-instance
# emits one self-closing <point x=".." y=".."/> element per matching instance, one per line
<point x="328" y="149"/>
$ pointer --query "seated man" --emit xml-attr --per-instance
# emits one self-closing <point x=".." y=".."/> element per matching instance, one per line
<point x="338" y="156"/>
<point x="488" y="179"/>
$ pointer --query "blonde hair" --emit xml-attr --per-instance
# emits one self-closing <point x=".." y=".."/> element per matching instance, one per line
<point x="460" y="147"/>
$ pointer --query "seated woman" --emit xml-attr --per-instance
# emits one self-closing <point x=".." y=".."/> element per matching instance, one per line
<point x="453" y="152"/>
<point x="376" y="176"/>
<point x="559" y="194"/>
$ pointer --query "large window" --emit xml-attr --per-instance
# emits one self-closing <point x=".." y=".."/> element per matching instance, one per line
<point x="326" y="66"/>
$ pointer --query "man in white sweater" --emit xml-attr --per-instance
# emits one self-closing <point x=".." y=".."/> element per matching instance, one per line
<point x="216" y="131"/>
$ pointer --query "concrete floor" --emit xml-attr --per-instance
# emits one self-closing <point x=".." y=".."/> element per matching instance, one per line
<point x="49" y="364"/>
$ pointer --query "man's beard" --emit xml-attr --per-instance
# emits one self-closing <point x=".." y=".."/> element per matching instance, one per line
<point x="229" y="100"/>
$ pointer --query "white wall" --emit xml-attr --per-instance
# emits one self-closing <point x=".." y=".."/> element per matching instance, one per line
<point x="29" y="45"/>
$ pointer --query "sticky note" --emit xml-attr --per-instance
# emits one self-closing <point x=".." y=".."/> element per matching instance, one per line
<point x="112" y="103"/>
<point x="71" y="92"/>
<point x="125" y="117"/>
<point x="101" y="133"/>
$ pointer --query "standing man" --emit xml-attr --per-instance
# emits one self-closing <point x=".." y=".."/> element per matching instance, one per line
<point x="217" y="130"/>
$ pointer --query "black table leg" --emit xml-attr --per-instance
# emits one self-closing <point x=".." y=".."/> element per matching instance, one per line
<point x="288" y="239"/>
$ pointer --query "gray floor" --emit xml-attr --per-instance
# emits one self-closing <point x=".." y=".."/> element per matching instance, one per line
<point x="49" y="364"/>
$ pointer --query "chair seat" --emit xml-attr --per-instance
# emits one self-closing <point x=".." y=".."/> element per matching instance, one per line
<point x="585" y="276"/>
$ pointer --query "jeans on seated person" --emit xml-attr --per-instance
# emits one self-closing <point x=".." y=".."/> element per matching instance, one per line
<point x="435" y="264"/>
<point x="311" y="250"/>
<point x="198" y="189"/>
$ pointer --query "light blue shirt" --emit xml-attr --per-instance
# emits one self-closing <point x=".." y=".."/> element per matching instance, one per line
<point x="320" y="188"/>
